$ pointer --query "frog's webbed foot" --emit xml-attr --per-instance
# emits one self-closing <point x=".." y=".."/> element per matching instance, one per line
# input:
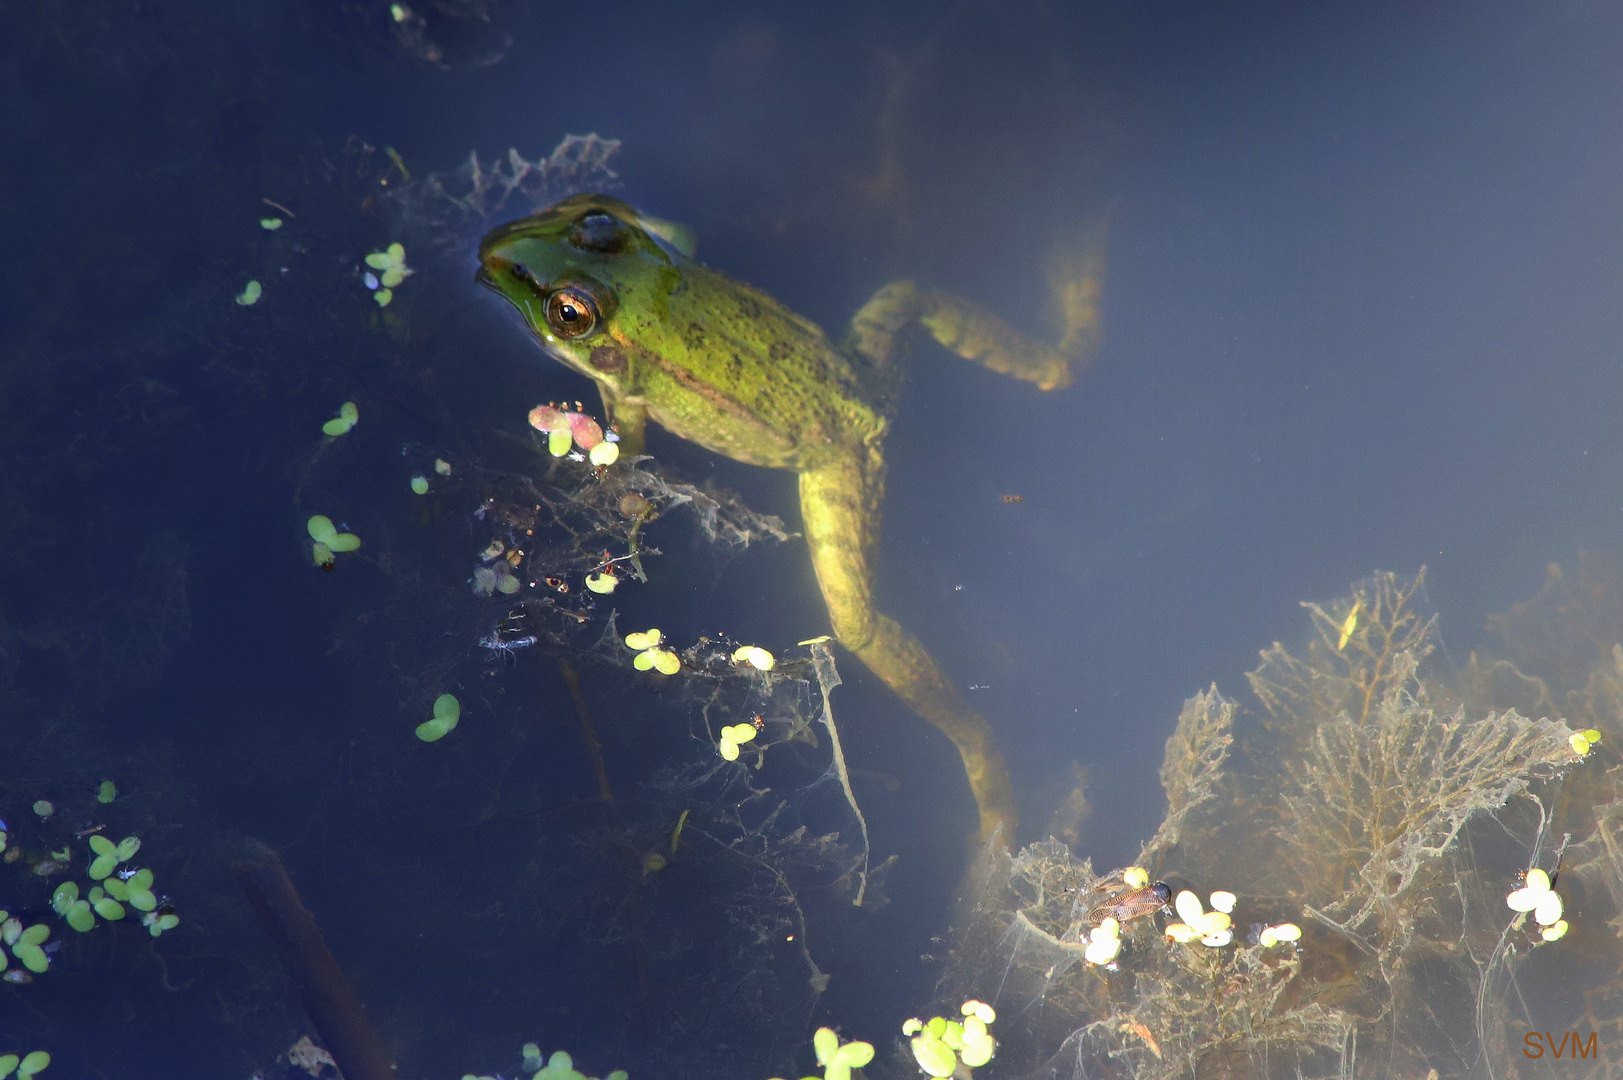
<point x="977" y="333"/>
<point x="840" y="504"/>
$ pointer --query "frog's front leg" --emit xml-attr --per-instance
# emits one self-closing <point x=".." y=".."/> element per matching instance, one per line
<point x="628" y="420"/>
<point x="977" y="333"/>
<point x="840" y="504"/>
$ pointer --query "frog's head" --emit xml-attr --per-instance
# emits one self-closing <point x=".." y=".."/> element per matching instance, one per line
<point x="572" y="271"/>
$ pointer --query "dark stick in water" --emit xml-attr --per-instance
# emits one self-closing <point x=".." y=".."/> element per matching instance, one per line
<point x="327" y="995"/>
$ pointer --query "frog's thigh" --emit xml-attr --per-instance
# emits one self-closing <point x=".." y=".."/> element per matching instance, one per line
<point x="840" y="505"/>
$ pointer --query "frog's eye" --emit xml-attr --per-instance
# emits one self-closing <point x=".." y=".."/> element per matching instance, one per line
<point x="598" y="231"/>
<point x="571" y="312"/>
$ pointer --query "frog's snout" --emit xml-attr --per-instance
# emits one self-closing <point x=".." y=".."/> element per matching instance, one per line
<point x="483" y="276"/>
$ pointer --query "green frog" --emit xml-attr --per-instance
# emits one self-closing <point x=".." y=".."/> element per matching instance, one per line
<point x="612" y="295"/>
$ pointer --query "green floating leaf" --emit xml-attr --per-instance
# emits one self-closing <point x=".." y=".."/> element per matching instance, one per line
<point x="102" y="865"/>
<point x="392" y="276"/>
<point x="419" y="484"/>
<point x="378" y="261"/>
<point x="8" y="1062"/>
<point x="127" y="848"/>
<point x="44" y="808"/>
<point x="106" y="792"/>
<point x="64" y="897"/>
<point x="101" y="845"/>
<point x="321" y="528"/>
<point x="33" y="957"/>
<point x="344" y="542"/>
<point x="32" y="1064"/>
<point x="250" y="294"/>
<point x="448" y="709"/>
<point x="107" y="908"/>
<point x="825" y="1044"/>
<point x="322" y="554"/>
<point x="559" y="440"/>
<point x="336" y="426"/>
<point x="270" y="224"/>
<point x="433" y="730"/>
<point x="383" y="296"/>
<point x="80" y="918"/>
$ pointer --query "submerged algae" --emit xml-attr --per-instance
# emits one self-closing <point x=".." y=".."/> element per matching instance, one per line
<point x="1354" y="805"/>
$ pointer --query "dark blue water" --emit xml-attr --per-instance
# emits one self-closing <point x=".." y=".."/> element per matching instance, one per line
<point x="1363" y="309"/>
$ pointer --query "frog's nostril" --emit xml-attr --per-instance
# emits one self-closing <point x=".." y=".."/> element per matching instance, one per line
<point x="521" y="271"/>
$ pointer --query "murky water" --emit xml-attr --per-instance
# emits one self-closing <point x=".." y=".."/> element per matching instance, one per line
<point x="1362" y="300"/>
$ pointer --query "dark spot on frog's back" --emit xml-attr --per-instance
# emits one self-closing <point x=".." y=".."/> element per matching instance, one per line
<point x="610" y="359"/>
<point x="779" y="350"/>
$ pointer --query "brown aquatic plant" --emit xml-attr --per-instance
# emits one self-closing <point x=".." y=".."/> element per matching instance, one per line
<point x="1352" y="804"/>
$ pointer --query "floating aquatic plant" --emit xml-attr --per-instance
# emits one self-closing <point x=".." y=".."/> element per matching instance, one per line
<point x="940" y="1044"/>
<point x="419" y="485"/>
<point x="249" y="296"/>
<point x="348" y="416"/>
<point x="26" y="1066"/>
<point x="566" y="429"/>
<point x="646" y="644"/>
<point x="326" y="539"/>
<point x="109" y="855"/>
<point x="733" y="737"/>
<point x="755" y="656"/>
<point x="447" y="711"/>
<point x="26" y="942"/>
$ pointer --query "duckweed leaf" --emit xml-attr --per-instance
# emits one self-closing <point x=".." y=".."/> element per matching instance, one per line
<point x="322" y="554"/>
<point x="447" y="709"/>
<point x="127" y="848"/>
<point x="559" y="441"/>
<point x="604" y="453"/>
<point x="106" y="792"/>
<point x="321" y="528"/>
<point x="433" y="730"/>
<point x="419" y="485"/>
<point x="270" y="224"/>
<point x="585" y="430"/>
<point x="250" y="294"/>
<point x="32" y="1064"/>
<point x="378" y="261"/>
<point x="383" y="297"/>
<point x="344" y="542"/>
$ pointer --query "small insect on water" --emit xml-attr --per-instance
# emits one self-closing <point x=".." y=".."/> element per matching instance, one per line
<point x="1124" y="902"/>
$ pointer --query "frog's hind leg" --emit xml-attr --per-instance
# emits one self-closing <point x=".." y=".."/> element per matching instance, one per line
<point x="840" y="504"/>
<point x="978" y="333"/>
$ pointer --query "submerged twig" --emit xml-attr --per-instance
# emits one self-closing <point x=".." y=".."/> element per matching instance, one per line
<point x="827" y="679"/>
